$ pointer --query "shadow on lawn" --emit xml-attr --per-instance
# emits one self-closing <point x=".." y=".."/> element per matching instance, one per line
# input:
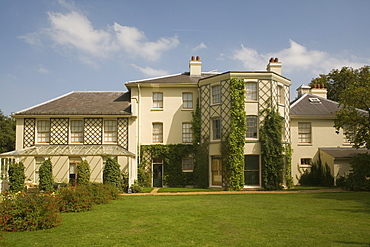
<point x="352" y="243"/>
<point x="359" y="197"/>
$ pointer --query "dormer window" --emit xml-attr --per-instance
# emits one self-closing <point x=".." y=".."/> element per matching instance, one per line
<point x="314" y="100"/>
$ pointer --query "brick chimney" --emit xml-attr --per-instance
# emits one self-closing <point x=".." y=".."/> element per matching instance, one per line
<point x="319" y="90"/>
<point x="274" y="66"/>
<point x="195" y="66"/>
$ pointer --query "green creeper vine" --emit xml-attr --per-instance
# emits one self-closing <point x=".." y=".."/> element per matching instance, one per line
<point x="83" y="173"/>
<point x="16" y="177"/>
<point x="232" y="149"/>
<point x="288" y="169"/>
<point x="112" y="173"/>
<point x="272" y="150"/>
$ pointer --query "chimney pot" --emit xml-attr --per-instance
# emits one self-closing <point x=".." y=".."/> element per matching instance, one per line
<point x="271" y="60"/>
<point x="276" y="60"/>
<point x="198" y="58"/>
<point x="192" y="58"/>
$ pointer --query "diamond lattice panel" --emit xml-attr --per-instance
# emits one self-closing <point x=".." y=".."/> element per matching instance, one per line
<point x="205" y="100"/>
<point x="123" y="132"/>
<point x="93" y="128"/>
<point x="29" y="132"/>
<point x="59" y="131"/>
<point x="225" y="110"/>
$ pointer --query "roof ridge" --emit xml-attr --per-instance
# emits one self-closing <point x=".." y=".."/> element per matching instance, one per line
<point x="154" y="78"/>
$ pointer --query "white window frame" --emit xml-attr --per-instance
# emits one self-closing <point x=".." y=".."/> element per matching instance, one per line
<point x="43" y="131"/>
<point x="304" y="133"/>
<point x="157" y="100"/>
<point x="216" y="94"/>
<point x="251" y="91"/>
<point x="187" y="101"/>
<point x="187" y="133"/>
<point x="216" y="130"/>
<point x="110" y="131"/>
<point x="157" y="132"/>
<point x="76" y="133"/>
<point x="250" y="127"/>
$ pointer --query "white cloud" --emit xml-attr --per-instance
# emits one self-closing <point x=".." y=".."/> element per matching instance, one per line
<point x="31" y="38"/>
<point x="42" y="70"/>
<point x="200" y="46"/>
<point x="150" y="71"/>
<point x="296" y="58"/>
<point x="134" y="41"/>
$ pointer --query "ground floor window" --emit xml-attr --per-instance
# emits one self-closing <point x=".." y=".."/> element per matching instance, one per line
<point x="73" y="163"/>
<point x="252" y="170"/>
<point x="187" y="164"/>
<point x="216" y="171"/>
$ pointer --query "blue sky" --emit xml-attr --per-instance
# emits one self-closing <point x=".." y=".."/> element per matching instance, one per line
<point x="49" y="48"/>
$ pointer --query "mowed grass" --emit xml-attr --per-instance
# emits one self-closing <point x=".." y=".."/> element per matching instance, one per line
<point x="294" y="219"/>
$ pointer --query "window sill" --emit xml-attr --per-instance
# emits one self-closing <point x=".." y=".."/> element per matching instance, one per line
<point x="251" y="139"/>
<point x="305" y="166"/>
<point x="187" y="109"/>
<point x="187" y="170"/>
<point x="214" y="104"/>
<point x="156" y="109"/>
<point x="304" y="144"/>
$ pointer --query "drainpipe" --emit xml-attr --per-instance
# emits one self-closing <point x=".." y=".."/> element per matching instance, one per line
<point x="139" y="128"/>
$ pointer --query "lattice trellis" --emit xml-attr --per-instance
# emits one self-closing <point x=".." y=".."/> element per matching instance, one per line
<point x="225" y="111"/>
<point x="286" y="116"/>
<point x="205" y="103"/>
<point x="59" y="131"/>
<point x="93" y="129"/>
<point x="122" y="128"/>
<point x="29" y="132"/>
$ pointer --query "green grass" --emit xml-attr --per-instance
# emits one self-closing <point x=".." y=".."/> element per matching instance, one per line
<point x="146" y="190"/>
<point x="309" y="188"/>
<point x="303" y="219"/>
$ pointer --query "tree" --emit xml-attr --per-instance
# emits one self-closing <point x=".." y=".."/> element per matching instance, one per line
<point x="46" y="176"/>
<point x="351" y="88"/>
<point x="112" y="173"/>
<point x="7" y="133"/>
<point x="16" y="177"/>
<point x="83" y="173"/>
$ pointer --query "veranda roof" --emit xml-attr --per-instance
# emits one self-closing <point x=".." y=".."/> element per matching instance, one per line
<point x="70" y="150"/>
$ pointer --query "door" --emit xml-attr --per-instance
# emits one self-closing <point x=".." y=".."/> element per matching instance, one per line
<point x="216" y="171"/>
<point x="252" y="170"/>
<point x="157" y="173"/>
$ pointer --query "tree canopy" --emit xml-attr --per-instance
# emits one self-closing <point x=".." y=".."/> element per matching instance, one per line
<point x="351" y="88"/>
<point x="7" y="133"/>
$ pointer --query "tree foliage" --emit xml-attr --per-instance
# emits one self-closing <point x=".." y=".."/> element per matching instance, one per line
<point x="351" y="88"/>
<point x="16" y="177"/>
<point x="83" y="173"/>
<point x="272" y="149"/>
<point x="359" y="177"/>
<point x="112" y="173"/>
<point x="7" y="133"/>
<point x="46" y="180"/>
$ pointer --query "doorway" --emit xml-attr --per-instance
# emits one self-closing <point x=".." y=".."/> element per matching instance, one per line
<point x="157" y="173"/>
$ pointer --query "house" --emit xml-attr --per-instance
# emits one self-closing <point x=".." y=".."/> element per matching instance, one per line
<point x="314" y="136"/>
<point x="141" y="126"/>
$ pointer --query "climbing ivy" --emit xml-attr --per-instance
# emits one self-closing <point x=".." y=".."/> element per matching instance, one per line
<point x="272" y="149"/>
<point x="16" y="177"/>
<point x="232" y="149"/>
<point x="171" y="156"/>
<point x="288" y="169"/>
<point x="83" y="173"/>
<point x="112" y="173"/>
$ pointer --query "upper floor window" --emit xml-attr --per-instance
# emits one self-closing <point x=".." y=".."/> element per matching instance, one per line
<point x="251" y="91"/>
<point x="280" y="94"/>
<point x="77" y="128"/>
<point x="187" y="133"/>
<point x="158" y="100"/>
<point x="110" y="131"/>
<point x="348" y="135"/>
<point x="43" y="131"/>
<point x="216" y="128"/>
<point x="187" y="100"/>
<point x="304" y="132"/>
<point x="251" y="127"/>
<point x="157" y="132"/>
<point x="216" y="94"/>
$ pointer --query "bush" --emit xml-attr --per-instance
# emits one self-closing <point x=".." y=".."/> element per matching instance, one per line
<point x="28" y="212"/>
<point x="16" y="177"/>
<point x="112" y="173"/>
<point x="46" y="176"/>
<point x="103" y="193"/>
<point x="83" y="173"/>
<point x="359" y="178"/>
<point x="317" y="175"/>
<point x="75" y="199"/>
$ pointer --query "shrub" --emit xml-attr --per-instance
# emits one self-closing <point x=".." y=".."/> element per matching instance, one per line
<point x="112" y="173"/>
<point x="136" y="188"/>
<point x="83" y="173"/>
<point x="103" y="193"/>
<point x="16" y="177"/>
<point x="317" y="175"/>
<point x="46" y="176"/>
<point x="75" y="199"/>
<point x="359" y="178"/>
<point x="28" y="212"/>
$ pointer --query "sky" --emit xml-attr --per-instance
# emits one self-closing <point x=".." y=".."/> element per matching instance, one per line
<point x="51" y="47"/>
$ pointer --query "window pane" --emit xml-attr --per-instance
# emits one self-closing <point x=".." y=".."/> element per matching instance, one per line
<point x="251" y="170"/>
<point x="157" y="100"/>
<point x="216" y="94"/>
<point x="304" y="132"/>
<point x="76" y="131"/>
<point x="187" y="164"/>
<point x="251" y="91"/>
<point x="157" y="132"/>
<point x="251" y="127"/>
<point x="187" y="133"/>
<point x="110" y="131"/>
<point x="43" y="131"/>
<point x="216" y="128"/>
<point x="187" y="100"/>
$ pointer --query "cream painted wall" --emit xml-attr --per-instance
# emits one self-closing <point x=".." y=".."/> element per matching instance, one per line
<point x="323" y="135"/>
<point x="172" y="115"/>
<point x="19" y="133"/>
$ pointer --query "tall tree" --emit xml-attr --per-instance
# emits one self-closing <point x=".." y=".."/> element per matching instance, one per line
<point x="7" y="133"/>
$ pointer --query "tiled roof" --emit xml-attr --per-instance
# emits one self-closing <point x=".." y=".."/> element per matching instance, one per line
<point x="306" y="105"/>
<point x="83" y="103"/>
<point x="344" y="152"/>
<point x="183" y="78"/>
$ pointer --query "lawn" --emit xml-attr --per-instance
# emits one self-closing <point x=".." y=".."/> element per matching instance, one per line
<point x="303" y="219"/>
